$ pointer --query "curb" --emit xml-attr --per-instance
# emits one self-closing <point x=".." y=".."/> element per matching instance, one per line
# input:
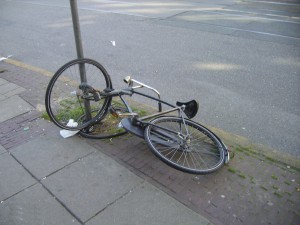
<point x="29" y="67"/>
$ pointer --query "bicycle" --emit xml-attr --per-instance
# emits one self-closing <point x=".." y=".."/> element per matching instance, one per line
<point x="82" y="90"/>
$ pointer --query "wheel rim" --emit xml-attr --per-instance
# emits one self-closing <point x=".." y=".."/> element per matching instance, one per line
<point x="198" y="152"/>
<point x="107" y="127"/>
<point x="64" y="97"/>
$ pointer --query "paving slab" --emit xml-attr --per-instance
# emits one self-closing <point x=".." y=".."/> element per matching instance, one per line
<point x="2" y="149"/>
<point x="148" y="205"/>
<point x="8" y="88"/>
<point x="12" y="107"/>
<point x="2" y="97"/>
<point x="91" y="184"/>
<point x="3" y="81"/>
<point x="34" y="206"/>
<point x="15" y="91"/>
<point x="50" y="153"/>
<point x="13" y="177"/>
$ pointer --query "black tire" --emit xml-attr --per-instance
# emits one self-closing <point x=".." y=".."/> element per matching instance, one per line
<point x="198" y="152"/>
<point x="107" y="127"/>
<point x="63" y="96"/>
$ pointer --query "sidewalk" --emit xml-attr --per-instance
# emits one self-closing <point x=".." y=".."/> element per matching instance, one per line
<point x="46" y="179"/>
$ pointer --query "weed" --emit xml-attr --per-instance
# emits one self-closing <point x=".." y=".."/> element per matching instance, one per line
<point x="253" y="153"/>
<point x="264" y="188"/>
<point x="242" y="176"/>
<point x="252" y="180"/>
<point x="288" y="193"/>
<point x="274" y="177"/>
<point x="279" y="195"/>
<point x="232" y="170"/>
<point x="45" y="116"/>
<point x="275" y="187"/>
<point x="283" y="175"/>
<point x="271" y="159"/>
<point x="287" y="183"/>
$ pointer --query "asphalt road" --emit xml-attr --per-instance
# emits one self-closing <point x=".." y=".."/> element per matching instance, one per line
<point x="239" y="59"/>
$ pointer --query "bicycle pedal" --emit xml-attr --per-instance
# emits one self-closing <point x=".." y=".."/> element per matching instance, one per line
<point x="127" y="114"/>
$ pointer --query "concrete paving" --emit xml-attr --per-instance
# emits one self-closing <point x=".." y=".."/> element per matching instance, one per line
<point x="166" y="210"/>
<point x="13" y="177"/>
<point x="51" y="180"/>
<point x="2" y="149"/>
<point x="34" y="205"/>
<point x="11" y="104"/>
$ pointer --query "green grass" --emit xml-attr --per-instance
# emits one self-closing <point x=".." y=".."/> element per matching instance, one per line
<point x="235" y="171"/>
<point x="288" y="193"/>
<point x="264" y="188"/>
<point x="69" y="109"/>
<point x="252" y="180"/>
<point x="232" y="170"/>
<point x="248" y="151"/>
<point x="279" y="195"/>
<point x="45" y="116"/>
<point x="242" y="176"/>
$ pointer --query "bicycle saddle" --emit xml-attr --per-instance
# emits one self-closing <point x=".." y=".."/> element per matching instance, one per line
<point x="191" y="108"/>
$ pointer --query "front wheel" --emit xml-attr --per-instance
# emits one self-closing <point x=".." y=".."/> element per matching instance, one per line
<point x="185" y="145"/>
<point x="73" y="93"/>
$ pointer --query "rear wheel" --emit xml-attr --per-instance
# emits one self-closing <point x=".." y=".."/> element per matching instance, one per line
<point x="70" y="94"/>
<point x="185" y="145"/>
<point x="108" y="127"/>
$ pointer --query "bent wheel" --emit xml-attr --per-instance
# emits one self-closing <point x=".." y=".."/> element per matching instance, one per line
<point x="67" y="98"/>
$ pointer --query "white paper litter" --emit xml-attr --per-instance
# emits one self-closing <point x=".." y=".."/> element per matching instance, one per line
<point x="3" y="58"/>
<point x="69" y="133"/>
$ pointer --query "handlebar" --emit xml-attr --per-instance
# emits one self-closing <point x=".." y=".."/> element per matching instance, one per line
<point x="128" y="80"/>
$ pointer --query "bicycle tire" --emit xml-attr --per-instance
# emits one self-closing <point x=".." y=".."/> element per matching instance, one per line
<point x="107" y="127"/>
<point x="200" y="152"/>
<point x="62" y="99"/>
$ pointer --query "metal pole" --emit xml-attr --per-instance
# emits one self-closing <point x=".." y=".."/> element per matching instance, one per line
<point x="78" y="43"/>
<point x="76" y="28"/>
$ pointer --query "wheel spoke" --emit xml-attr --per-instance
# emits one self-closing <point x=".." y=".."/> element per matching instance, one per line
<point x="64" y="100"/>
<point x="197" y="151"/>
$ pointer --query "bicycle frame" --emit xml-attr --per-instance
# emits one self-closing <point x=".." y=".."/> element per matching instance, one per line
<point x="130" y="90"/>
<point x="142" y="121"/>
